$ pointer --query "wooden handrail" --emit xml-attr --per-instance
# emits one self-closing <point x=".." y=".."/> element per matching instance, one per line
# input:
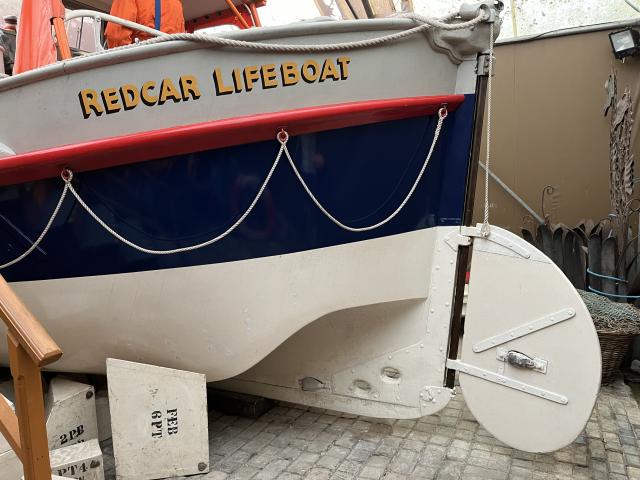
<point x="30" y="347"/>
<point x="42" y="349"/>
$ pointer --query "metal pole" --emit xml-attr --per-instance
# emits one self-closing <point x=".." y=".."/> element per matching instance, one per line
<point x="513" y="194"/>
<point x="368" y="9"/>
<point x="464" y="252"/>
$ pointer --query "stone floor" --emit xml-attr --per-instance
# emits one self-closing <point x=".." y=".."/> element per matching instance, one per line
<point x="294" y="442"/>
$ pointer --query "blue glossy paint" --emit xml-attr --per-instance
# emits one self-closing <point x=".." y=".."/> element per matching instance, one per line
<point x="361" y="174"/>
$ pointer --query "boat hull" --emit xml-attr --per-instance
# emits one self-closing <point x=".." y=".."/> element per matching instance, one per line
<point x="221" y="319"/>
<point x="169" y="143"/>
<point x="184" y="243"/>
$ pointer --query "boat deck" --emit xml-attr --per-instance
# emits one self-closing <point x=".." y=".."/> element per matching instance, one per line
<point x="295" y="442"/>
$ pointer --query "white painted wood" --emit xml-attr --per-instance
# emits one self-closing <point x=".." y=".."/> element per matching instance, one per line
<point x="82" y="461"/>
<point x="429" y="71"/>
<point x="350" y="350"/>
<point x="505" y="291"/>
<point x="6" y="395"/>
<point x="70" y="413"/>
<point x="10" y="465"/>
<point x="222" y="319"/>
<point x="159" y="421"/>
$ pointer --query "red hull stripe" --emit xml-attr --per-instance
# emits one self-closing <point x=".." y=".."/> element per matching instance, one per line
<point x="138" y="147"/>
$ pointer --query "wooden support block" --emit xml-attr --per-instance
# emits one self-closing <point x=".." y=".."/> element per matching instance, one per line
<point x="103" y="415"/>
<point x="71" y="413"/>
<point x="241" y="404"/>
<point x="82" y="461"/>
<point x="158" y="421"/>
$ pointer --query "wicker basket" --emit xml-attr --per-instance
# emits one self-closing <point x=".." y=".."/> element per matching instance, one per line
<point x="614" y="347"/>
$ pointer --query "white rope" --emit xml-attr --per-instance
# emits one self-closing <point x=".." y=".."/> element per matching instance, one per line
<point x="67" y="176"/>
<point x="442" y="114"/>
<point x="283" y="137"/>
<point x="425" y="23"/>
<point x="44" y="232"/>
<point x="485" y="230"/>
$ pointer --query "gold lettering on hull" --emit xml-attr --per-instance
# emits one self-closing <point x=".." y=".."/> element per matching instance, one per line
<point x="245" y="79"/>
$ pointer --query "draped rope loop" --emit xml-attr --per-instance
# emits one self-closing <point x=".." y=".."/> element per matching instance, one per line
<point x="282" y="136"/>
<point x="424" y="23"/>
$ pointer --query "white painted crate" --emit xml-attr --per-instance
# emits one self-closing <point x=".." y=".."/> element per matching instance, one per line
<point x="10" y="465"/>
<point x="158" y="421"/>
<point x="70" y="412"/>
<point x="4" y="445"/>
<point x="82" y="461"/>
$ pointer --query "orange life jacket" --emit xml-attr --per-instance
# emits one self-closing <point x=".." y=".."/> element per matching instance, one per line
<point x="143" y="12"/>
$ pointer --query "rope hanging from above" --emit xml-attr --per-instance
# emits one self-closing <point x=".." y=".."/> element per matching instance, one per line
<point x="485" y="230"/>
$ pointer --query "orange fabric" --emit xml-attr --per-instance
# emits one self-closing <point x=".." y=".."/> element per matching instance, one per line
<point x="143" y="12"/>
<point x="34" y="46"/>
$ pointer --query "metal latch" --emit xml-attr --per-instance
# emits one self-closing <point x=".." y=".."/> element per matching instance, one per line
<point x="310" y="384"/>
<point x="521" y="360"/>
<point x="482" y="67"/>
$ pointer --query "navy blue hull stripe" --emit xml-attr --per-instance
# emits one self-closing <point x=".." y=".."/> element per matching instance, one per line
<point x="360" y="173"/>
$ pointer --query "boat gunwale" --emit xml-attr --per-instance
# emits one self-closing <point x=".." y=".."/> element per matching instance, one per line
<point x="143" y="51"/>
<point x="183" y="139"/>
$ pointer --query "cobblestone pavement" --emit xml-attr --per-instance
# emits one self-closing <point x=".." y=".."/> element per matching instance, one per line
<point x="292" y="442"/>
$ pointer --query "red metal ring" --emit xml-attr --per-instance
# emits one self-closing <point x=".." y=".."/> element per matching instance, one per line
<point x="66" y="174"/>
<point x="283" y="136"/>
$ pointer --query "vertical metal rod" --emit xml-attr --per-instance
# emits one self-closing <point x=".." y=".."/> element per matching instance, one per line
<point x="368" y="10"/>
<point x="237" y="13"/>
<point x="464" y="252"/>
<point x="61" y="38"/>
<point x="476" y="143"/>
<point x="255" y="15"/>
<point x="513" y="194"/>
<point x="351" y="9"/>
